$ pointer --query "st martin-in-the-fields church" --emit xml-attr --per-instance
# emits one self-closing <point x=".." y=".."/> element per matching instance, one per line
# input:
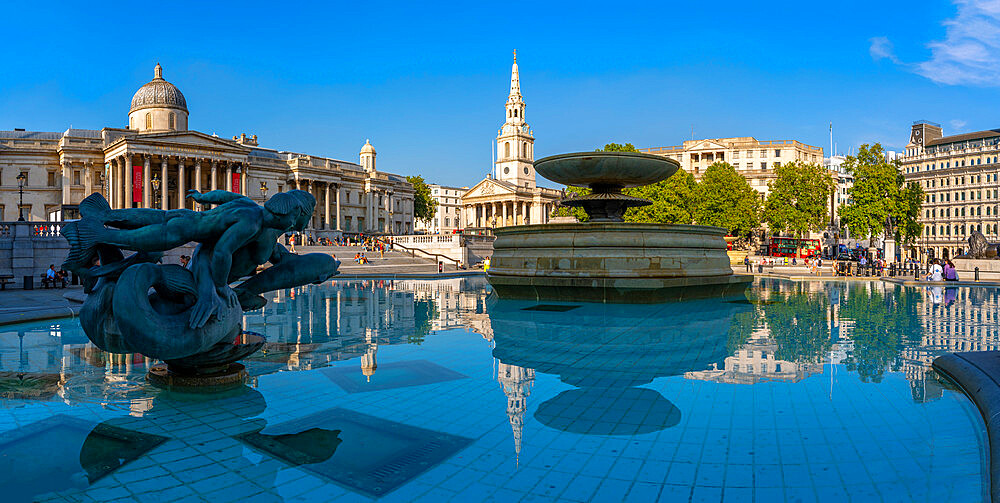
<point x="510" y="196"/>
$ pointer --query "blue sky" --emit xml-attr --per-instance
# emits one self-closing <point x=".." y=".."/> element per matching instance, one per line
<point x="426" y="82"/>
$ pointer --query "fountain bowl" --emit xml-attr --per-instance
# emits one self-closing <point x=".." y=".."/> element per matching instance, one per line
<point x="606" y="169"/>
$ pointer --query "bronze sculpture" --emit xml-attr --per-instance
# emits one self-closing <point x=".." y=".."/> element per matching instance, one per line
<point x="188" y="316"/>
<point x="979" y="248"/>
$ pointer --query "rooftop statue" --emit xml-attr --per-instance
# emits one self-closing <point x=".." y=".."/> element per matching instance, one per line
<point x="190" y="316"/>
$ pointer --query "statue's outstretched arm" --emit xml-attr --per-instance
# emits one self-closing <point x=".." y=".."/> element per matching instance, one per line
<point x="213" y="197"/>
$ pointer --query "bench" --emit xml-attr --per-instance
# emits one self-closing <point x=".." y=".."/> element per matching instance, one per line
<point x="4" y="280"/>
<point x="48" y="282"/>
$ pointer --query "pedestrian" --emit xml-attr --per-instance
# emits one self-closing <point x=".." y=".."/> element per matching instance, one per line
<point x="949" y="271"/>
<point x="291" y="243"/>
<point x="746" y="262"/>
<point x="935" y="271"/>
<point x="185" y="260"/>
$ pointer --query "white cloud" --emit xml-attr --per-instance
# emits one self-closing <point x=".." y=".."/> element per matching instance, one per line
<point x="970" y="51"/>
<point x="881" y="48"/>
<point x="957" y="124"/>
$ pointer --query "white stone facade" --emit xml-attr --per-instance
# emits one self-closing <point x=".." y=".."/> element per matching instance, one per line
<point x="754" y="159"/>
<point x="448" y="214"/>
<point x="154" y="162"/>
<point x="960" y="176"/>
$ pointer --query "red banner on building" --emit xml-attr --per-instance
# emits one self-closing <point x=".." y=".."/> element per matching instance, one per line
<point x="236" y="183"/>
<point x="137" y="184"/>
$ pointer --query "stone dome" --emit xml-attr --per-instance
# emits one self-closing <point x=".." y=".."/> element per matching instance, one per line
<point x="158" y="93"/>
<point x="367" y="148"/>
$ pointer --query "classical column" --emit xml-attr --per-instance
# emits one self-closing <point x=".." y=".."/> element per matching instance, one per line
<point x="197" y="175"/>
<point x="88" y="178"/>
<point x="163" y="183"/>
<point x="229" y="176"/>
<point x="326" y="207"/>
<point x="146" y="186"/>
<point x="244" y="178"/>
<point x="127" y="200"/>
<point x="504" y="204"/>
<point x="181" y="179"/>
<point x="297" y="186"/>
<point x="388" y="213"/>
<point x="66" y="171"/>
<point x="215" y="178"/>
<point x="338" y="208"/>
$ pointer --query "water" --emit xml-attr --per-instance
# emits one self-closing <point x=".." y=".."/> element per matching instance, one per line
<point x="437" y="391"/>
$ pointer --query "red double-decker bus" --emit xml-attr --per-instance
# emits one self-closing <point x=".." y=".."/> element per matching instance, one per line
<point x="788" y="247"/>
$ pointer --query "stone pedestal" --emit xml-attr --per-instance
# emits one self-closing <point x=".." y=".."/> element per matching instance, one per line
<point x="889" y="250"/>
<point x="612" y="262"/>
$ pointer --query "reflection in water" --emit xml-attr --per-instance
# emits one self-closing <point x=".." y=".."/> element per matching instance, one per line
<point x="780" y="332"/>
<point x="606" y="351"/>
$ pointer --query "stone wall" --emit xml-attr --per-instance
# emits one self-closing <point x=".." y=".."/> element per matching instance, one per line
<point x="988" y="269"/>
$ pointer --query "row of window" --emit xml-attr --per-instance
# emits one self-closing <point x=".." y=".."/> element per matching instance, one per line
<point x="749" y="165"/>
<point x="947" y="164"/>
<point x="974" y="211"/>
<point x="960" y="180"/>
<point x="763" y="153"/>
<point x="171" y="121"/>
<point x="945" y="230"/>
<point x="945" y="197"/>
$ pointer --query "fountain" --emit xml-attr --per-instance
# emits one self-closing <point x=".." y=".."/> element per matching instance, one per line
<point x="607" y="259"/>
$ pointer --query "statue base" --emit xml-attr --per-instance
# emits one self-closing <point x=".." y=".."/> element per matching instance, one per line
<point x="230" y="376"/>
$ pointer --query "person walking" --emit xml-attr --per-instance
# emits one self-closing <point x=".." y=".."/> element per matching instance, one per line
<point x="746" y="262"/>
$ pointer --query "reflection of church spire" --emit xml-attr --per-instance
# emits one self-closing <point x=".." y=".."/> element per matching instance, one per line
<point x="517" y="382"/>
<point x="368" y="363"/>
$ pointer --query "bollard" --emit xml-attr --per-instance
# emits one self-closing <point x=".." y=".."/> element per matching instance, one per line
<point x="977" y="274"/>
<point x="29" y="282"/>
<point x="916" y="273"/>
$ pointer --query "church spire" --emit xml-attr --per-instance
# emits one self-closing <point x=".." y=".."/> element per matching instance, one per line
<point x="515" y="83"/>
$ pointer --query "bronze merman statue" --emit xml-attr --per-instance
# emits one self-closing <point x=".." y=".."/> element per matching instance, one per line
<point x="175" y="313"/>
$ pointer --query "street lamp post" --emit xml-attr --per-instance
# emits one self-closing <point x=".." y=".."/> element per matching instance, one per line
<point x="263" y="189"/>
<point x="155" y="182"/>
<point x="20" y="193"/>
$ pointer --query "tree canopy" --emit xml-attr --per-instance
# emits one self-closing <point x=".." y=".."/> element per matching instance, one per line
<point x="726" y="200"/>
<point x="424" y="206"/>
<point x="879" y="194"/>
<point x="798" y="197"/>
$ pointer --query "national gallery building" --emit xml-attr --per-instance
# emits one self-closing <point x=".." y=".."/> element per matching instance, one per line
<point x="157" y="159"/>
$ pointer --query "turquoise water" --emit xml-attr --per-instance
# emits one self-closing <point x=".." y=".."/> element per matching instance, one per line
<point x="437" y="391"/>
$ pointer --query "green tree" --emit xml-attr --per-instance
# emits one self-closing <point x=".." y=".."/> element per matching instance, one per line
<point x="424" y="206"/>
<point x="880" y="194"/>
<point x="617" y="147"/>
<point x="726" y="200"/>
<point x="674" y="200"/>
<point x="798" y="198"/>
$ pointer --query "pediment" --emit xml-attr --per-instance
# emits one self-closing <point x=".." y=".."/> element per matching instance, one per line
<point x="488" y="188"/>
<point x="193" y="138"/>
<point x="708" y="145"/>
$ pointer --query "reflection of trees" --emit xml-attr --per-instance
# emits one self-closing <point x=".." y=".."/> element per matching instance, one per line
<point x="795" y="319"/>
<point x="883" y="323"/>
<point x="423" y="312"/>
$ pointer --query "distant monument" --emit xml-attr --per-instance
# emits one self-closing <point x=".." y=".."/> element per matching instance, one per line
<point x="189" y="316"/>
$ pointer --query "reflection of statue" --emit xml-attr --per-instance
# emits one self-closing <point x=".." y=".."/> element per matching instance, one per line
<point x="191" y="309"/>
<point x="979" y="248"/>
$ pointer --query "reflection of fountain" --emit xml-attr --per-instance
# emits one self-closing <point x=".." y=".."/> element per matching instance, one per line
<point x="608" y="351"/>
<point x="606" y="259"/>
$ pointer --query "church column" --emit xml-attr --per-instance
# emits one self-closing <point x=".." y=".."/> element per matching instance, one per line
<point x="147" y="201"/>
<point x="127" y="200"/>
<point x="229" y="176"/>
<point x="215" y="178"/>
<point x="504" y="204"/>
<point x="182" y="178"/>
<point x="163" y="183"/>
<point x="338" y="208"/>
<point x="326" y="207"/>
<point x="244" y="178"/>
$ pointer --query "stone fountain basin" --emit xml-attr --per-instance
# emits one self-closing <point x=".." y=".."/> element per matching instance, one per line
<point x="614" y="169"/>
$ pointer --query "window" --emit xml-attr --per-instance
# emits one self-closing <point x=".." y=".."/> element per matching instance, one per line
<point x="736" y="165"/>
<point x="149" y="120"/>
<point x="52" y="179"/>
<point x="170" y="121"/>
<point x="76" y="177"/>
<point x="506" y="149"/>
<point x="763" y="165"/>
<point x="25" y="212"/>
<point x="736" y="154"/>
<point x="763" y="153"/>
<point x="281" y="188"/>
<point x="777" y="152"/>
<point x="749" y="154"/>
<point x="524" y="149"/>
